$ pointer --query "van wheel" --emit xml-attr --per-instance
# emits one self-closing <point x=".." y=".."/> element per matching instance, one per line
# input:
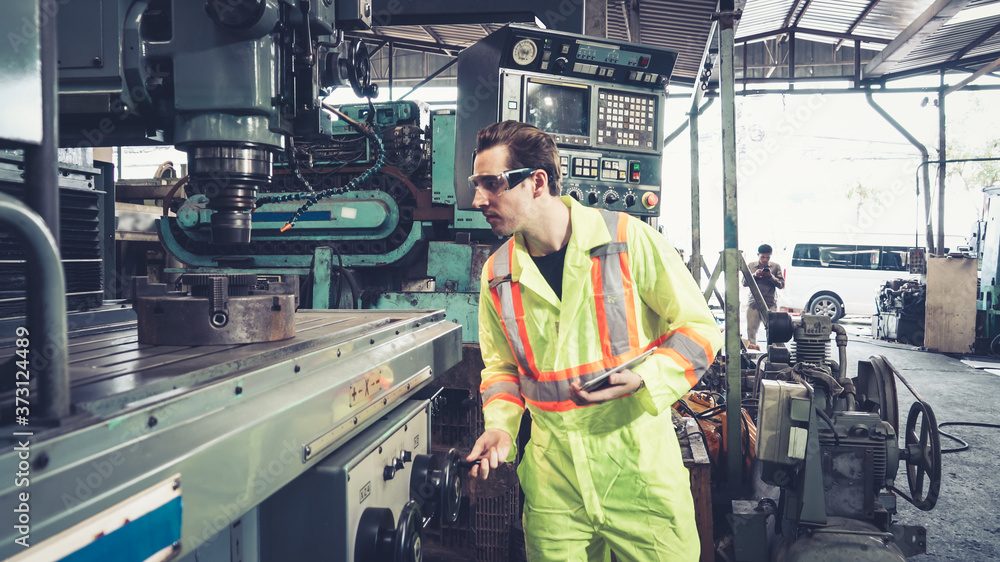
<point x="826" y="304"/>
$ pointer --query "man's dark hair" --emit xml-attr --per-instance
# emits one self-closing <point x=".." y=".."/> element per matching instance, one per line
<point x="527" y="147"/>
<point x="764" y="249"/>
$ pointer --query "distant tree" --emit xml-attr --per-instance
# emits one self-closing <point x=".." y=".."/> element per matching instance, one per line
<point x="861" y="194"/>
<point x="976" y="175"/>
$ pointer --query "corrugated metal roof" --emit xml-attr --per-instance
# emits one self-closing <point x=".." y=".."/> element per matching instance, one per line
<point x="678" y="25"/>
<point x="972" y="35"/>
<point x="685" y="26"/>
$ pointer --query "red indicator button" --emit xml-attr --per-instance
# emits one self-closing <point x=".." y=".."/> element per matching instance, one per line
<point x="643" y="61"/>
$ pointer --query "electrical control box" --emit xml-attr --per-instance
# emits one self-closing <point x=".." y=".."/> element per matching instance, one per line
<point x="783" y="421"/>
<point x="601" y="100"/>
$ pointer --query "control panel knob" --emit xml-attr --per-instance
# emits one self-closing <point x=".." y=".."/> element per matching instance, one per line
<point x="576" y="194"/>
<point x="592" y="198"/>
<point x="610" y="197"/>
<point x="629" y="199"/>
<point x="407" y="456"/>
<point x="559" y="65"/>
<point x="389" y="472"/>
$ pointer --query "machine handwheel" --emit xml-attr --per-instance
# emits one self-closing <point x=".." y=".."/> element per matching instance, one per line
<point x="409" y="535"/>
<point x="422" y="488"/>
<point x="375" y="535"/>
<point x="359" y="70"/>
<point x="923" y="456"/>
<point x="451" y="487"/>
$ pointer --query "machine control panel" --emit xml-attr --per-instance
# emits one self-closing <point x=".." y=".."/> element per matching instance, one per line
<point x="601" y="100"/>
<point x="587" y="57"/>
<point x="609" y="180"/>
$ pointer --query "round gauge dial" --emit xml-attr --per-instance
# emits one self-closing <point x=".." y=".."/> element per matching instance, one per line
<point x="525" y="52"/>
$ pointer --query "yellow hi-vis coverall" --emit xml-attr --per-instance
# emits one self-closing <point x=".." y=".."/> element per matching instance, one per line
<point x="610" y="475"/>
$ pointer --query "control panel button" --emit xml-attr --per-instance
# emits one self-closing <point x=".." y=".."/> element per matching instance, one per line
<point x="634" y="174"/>
<point x="650" y="200"/>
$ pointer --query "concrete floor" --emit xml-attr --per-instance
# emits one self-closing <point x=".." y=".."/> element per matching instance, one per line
<point x="965" y="523"/>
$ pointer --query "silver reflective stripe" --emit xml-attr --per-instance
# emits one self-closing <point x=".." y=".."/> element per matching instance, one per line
<point x="552" y="391"/>
<point x="501" y="271"/>
<point x="505" y="387"/>
<point x="548" y="391"/>
<point x="615" y="305"/>
<point x="690" y="350"/>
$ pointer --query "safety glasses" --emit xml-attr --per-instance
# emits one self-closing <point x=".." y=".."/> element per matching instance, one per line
<point x="500" y="183"/>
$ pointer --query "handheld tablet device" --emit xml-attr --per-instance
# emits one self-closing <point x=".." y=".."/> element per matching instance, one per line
<point x="601" y="381"/>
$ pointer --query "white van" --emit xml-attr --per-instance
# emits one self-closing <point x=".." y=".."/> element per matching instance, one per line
<point x="837" y="279"/>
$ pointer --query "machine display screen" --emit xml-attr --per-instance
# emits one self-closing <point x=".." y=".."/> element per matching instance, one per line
<point x="557" y="109"/>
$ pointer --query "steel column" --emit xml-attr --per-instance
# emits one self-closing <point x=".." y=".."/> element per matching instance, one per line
<point x="41" y="163"/>
<point x="943" y="167"/>
<point x="695" y="263"/>
<point x="924" y="159"/>
<point x="731" y="253"/>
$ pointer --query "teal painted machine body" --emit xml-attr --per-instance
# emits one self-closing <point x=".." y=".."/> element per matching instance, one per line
<point x="400" y="234"/>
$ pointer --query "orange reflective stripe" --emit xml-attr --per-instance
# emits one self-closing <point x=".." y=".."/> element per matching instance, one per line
<point x="507" y="301"/>
<point x="562" y="406"/>
<point x="522" y="328"/>
<point x="701" y="340"/>
<point x="602" y="319"/>
<point x="682" y="361"/>
<point x="592" y="367"/>
<point x="505" y="397"/>
<point x="503" y="322"/>
<point x="629" y="285"/>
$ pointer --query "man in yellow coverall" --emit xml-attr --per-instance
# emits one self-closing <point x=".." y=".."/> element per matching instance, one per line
<point x="576" y="292"/>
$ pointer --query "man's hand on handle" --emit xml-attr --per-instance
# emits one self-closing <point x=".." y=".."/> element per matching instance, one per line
<point x="490" y="450"/>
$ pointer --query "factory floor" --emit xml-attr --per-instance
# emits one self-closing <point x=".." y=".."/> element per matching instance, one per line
<point x="964" y="525"/>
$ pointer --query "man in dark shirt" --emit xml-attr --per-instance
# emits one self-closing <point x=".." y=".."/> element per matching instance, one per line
<point x="767" y="274"/>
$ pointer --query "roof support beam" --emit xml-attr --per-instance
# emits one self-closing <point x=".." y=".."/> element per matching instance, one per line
<point x="809" y="31"/>
<point x="910" y="38"/>
<point x="969" y="79"/>
<point x="977" y="42"/>
<point x="962" y="65"/>
<point x="857" y="22"/>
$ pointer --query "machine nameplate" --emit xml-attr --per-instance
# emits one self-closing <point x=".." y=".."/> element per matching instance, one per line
<point x="373" y="409"/>
<point x="366" y="491"/>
